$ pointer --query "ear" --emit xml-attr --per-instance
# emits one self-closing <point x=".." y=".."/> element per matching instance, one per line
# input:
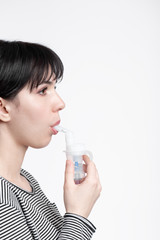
<point x="4" y="110"/>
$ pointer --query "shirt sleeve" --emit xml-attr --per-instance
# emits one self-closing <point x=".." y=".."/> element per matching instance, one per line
<point x="13" y="224"/>
<point x="76" y="227"/>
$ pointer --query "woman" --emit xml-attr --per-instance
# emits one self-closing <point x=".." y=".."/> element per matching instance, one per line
<point x="29" y="111"/>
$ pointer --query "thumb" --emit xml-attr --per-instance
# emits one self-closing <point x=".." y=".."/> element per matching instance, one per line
<point x="69" y="172"/>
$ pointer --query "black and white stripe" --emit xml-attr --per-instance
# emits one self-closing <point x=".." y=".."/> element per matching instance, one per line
<point x="28" y="216"/>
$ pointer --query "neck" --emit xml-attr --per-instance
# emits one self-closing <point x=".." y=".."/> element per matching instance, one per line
<point x="11" y="156"/>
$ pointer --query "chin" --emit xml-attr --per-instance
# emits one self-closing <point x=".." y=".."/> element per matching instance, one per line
<point x="41" y="144"/>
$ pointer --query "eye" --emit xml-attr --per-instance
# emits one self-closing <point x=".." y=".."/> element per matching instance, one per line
<point x="43" y="91"/>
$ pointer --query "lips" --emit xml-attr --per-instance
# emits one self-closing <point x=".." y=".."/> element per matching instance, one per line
<point x="54" y="131"/>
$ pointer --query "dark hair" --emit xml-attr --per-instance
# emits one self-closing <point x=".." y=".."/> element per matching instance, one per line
<point x="23" y="63"/>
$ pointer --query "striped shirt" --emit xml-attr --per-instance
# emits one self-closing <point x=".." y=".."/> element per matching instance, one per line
<point x="30" y="215"/>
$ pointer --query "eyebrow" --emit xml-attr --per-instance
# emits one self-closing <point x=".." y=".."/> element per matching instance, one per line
<point x="48" y="82"/>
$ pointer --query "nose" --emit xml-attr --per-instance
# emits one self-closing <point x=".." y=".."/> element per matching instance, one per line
<point x="58" y="103"/>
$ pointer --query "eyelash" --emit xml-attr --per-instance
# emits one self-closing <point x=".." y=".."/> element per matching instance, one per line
<point x="42" y="92"/>
<point x="44" y="89"/>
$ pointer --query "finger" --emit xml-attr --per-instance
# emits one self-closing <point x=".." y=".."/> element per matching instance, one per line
<point x="90" y="166"/>
<point x="69" y="173"/>
<point x="86" y="159"/>
<point x="85" y="168"/>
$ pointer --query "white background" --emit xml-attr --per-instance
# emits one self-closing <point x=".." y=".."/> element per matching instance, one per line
<point x="111" y="53"/>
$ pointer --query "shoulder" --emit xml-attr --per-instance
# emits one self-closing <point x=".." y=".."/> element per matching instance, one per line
<point x="8" y="197"/>
<point x="6" y="193"/>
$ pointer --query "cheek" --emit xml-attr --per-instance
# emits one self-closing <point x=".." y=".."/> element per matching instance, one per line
<point x="30" y="119"/>
<point x="32" y="130"/>
<point x="34" y="114"/>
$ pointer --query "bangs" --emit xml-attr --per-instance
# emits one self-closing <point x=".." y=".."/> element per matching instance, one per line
<point x="44" y="66"/>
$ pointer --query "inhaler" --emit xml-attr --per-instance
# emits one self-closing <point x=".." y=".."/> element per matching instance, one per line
<point x="75" y="151"/>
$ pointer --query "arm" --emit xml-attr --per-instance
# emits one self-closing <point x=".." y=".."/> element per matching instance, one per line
<point x="76" y="227"/>
<point x="79" y="201"/>
<point x="13" y="226"/>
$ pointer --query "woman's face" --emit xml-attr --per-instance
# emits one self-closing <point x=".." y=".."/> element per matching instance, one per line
<point x="37" y="112"/>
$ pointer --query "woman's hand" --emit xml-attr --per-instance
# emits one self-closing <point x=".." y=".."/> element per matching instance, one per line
<point x="80" y="198"/>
